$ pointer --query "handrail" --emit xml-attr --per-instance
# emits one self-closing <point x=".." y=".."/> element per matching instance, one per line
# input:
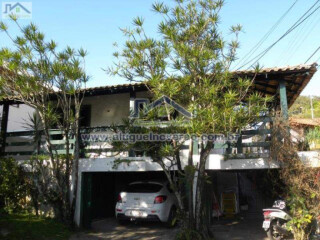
<point x="25" y="146"/>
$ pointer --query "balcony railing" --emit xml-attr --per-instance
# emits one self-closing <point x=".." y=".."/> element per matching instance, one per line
<point x="21" y="145"/>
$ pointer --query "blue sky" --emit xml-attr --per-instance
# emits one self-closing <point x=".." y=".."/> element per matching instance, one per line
<point x="94" y="25"/>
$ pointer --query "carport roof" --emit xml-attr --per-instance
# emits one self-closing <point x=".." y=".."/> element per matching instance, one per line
<point x="296" y="78"/>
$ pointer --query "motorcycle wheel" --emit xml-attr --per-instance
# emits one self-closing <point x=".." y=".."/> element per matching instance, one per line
<point x="272" y="233"/>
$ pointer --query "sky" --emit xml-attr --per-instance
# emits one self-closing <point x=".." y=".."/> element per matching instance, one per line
<point x="94" y="25"/>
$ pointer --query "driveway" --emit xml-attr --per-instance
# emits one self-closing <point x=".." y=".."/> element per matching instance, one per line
<point x="249" y="229"/>
<point x="243" y="229"/>
<point x="110" y="229"/>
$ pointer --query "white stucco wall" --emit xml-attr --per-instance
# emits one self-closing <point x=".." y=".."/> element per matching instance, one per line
<point x="18" y="115"/>
<point x="110" y="109"/>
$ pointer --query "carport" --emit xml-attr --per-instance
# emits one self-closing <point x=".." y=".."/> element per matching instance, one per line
<point x="99" y="192"/>
<point x="252" y="189"/>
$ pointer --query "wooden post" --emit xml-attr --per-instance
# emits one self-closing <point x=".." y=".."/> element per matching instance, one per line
<point x="283" y="99"/>
<point x="4" y="126"/>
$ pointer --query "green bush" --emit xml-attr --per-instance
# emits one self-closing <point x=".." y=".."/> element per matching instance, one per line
<point x="13" y="190"/>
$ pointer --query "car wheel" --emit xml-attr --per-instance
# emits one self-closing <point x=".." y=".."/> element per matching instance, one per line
<point x="172" y="219"/>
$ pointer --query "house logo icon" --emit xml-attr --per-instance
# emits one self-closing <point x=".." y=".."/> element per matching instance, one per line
<point x="142" y="107"/>
<point x="22" y="10"/>
<point x="170" y="102"/>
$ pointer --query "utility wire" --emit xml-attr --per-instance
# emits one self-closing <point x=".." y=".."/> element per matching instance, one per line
<point x="265" y="37"/>
<point x="294" y="26"/>
<point x="289" y="45"/>
<point x="312" y="54"/>
<point x="295" y="40"/>
<point x="308" y="29"/>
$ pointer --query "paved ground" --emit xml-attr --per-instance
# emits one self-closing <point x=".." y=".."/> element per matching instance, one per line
<point x="250" y="229"/>
<point x="224" y="230"/>
<point x="109" y="229"/>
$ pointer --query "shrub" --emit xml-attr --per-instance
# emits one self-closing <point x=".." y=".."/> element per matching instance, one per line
<point x="13" y="190"/>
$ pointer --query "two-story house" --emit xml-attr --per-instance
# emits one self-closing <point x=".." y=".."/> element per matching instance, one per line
<point x="99" y="181"/>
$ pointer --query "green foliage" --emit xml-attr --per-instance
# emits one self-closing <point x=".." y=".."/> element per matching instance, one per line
<point x="300" y="224"/>
<point x="313" y="135"/>
<point x="25" y="226"/>
<point x="13" y="189"/>
<point x="190" y="64"/>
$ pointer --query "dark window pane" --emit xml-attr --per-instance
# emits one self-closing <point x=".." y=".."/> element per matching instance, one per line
<point x="144" y="188"/>
<point x="85" y="116"/>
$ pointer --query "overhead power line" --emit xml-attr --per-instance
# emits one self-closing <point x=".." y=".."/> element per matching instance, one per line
<point x="312" y="54"/>
<point x="265" y="37"/>
<point x="294" y="26"/>
<point x="301" y="39"/>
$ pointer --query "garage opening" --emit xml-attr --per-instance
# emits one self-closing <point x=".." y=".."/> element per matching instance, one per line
<point x="100" y="191"/>
<point x="249" y="190"/>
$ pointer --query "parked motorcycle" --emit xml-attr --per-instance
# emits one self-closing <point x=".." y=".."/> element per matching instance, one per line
<point x="275" y="220"/>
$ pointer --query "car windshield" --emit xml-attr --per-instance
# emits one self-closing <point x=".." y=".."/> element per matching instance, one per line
<point x="144" y="188"/>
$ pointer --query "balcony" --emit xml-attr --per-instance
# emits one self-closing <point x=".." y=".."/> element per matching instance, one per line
<point x="252" y="142"/>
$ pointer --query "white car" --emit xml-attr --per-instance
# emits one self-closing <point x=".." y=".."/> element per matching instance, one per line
<point x="149" y="201"/>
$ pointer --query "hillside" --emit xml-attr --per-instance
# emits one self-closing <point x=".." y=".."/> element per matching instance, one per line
<point x="302" y="108"/>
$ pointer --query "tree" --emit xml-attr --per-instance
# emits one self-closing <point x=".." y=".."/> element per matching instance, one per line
<point x="190" y="63"/>
<point x="51" y="81"/>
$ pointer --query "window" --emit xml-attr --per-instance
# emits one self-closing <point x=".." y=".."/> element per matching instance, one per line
<point x="85" y="116"/>
<point x="139" y="105"/>
<point x="144" y="188"/>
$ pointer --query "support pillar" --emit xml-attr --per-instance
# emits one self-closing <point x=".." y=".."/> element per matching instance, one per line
<point x="4" y="126"/>
<point x="283" y="99"/>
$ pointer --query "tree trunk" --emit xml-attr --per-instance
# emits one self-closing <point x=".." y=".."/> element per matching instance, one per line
<point x="75" y="170"/>
<point x="202" y="226"/>
<point x="189" y="186"/>
<point x="67" y="174"/>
